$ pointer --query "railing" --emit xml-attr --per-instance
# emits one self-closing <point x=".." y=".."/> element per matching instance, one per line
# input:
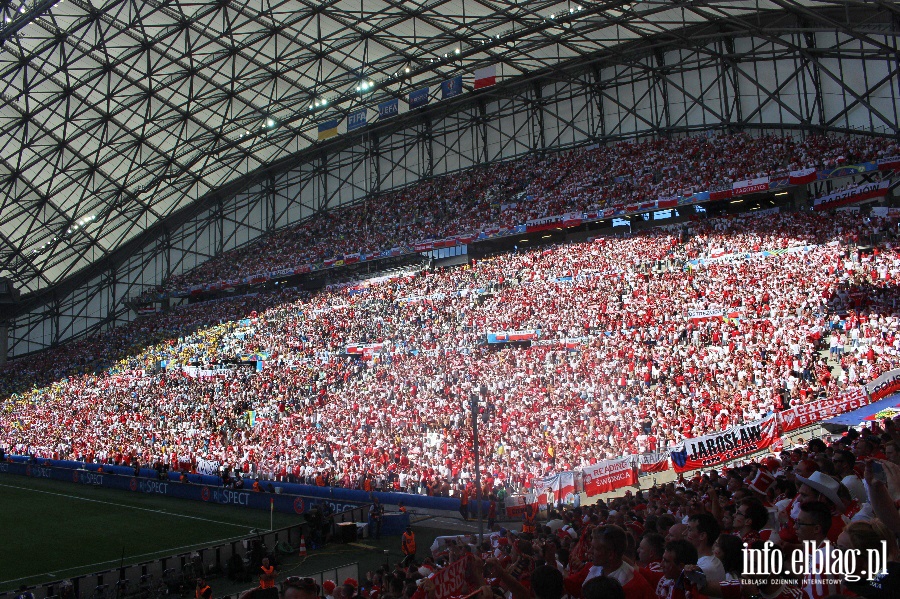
<point x="337" y="574"/>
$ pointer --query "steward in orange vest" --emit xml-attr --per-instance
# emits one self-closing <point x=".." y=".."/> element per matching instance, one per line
<point x="267" y="575"/>
<point x="408" y="545"/>
<point x="204" y="591"/>
<point x="528" y="523"/>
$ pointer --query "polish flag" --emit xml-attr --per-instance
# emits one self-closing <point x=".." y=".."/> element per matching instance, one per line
<point x="802" y="177"/>
<point x="486" y="77"/>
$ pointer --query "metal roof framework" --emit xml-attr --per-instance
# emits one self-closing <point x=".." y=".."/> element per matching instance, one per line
<point x="121" y="119"/>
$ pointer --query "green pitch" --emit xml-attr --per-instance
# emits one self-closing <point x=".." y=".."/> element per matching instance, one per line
<point x="53" y="530"/>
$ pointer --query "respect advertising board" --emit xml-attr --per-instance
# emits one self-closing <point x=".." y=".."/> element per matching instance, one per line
<point x="733" y="442"/>
<point x="609" y="475"/>
<point x="823" y="409"/>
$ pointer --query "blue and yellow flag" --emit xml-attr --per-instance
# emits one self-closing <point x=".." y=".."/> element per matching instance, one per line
<point x="328" y="129"/>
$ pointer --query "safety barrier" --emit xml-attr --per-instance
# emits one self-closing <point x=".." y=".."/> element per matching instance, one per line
<point x="289" y="498"/>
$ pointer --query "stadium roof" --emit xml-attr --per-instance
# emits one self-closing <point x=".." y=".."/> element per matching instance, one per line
<point x="117" y="114"/>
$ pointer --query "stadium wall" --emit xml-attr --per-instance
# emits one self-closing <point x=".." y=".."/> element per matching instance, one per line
<point x="292" y="498"/>
<point x="783" y="75"/>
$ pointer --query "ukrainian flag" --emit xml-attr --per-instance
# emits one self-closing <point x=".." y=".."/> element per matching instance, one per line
<point x="328" y="129"/>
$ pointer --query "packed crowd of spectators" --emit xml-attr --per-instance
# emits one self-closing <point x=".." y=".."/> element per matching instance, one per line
<point x="618" y="365"/>
<point x="510" y="193"/>
<point x="797" y="511"/>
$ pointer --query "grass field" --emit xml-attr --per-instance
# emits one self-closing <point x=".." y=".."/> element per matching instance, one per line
<point x="54" y="530"/>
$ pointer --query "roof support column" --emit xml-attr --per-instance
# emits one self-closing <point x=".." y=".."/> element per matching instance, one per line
<point x="538" y="139"/>
<point x="598" y="128"/>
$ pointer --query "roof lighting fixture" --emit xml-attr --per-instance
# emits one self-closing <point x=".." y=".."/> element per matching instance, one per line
<point x="270" y="123"/>
<point x="458" y="51"/>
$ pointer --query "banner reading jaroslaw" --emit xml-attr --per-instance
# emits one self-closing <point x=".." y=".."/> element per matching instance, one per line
<point x="823" y="409"/>
<point x="850" y="196"/>
<point x="885" y="385"/>
<point x="609" y="475"/>
<point x="734" y="442"/>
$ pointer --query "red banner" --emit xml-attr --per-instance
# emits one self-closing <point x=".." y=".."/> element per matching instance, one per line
<point x="734" y="442"/>
<point x="572" y="219"/>
<point x="554" y="489"/>
<point x="515" y="505"/>
<point x="889" y="164"/>
<point x="657" y="461"/>
<point x="887" y="384"/>
<point x="451" y="581"/>
<point x="823" y="409"/>
<point x="802" y="177"/>
<point x="861" y="193"/>
<point x="609" y="475"/>
<point x="750" y="186"/>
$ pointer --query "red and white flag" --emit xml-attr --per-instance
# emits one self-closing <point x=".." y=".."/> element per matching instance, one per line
<point x="486" y="77"/>
<point x="802" y="177"/>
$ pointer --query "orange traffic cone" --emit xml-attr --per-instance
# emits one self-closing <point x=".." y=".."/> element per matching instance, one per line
<point x="302" y="546"/>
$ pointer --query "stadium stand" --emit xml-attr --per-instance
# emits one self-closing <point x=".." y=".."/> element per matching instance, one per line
<point x="365" y="386"/>
<point x="510" y="193"/>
